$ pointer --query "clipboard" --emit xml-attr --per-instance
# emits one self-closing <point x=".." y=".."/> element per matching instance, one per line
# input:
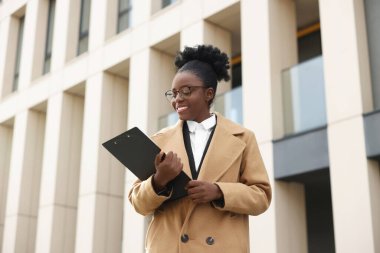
<point x="137" y="153"/>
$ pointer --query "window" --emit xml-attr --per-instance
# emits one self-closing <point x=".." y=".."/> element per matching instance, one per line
<point x="18" y="54"/>
<point x="49" y="37"/>
<point x="124" y="15"/>
<point x="167" y="3"/>
<point x="84" y="26"/>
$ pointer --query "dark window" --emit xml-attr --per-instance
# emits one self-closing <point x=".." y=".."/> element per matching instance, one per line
<point x="49" y="37"/>
<point x="309" y="46"/>
<point x="124" y="15"/>
<point x="18" y="54"/>
<point x="84" y="26"/>
<point x="167" y="3"/>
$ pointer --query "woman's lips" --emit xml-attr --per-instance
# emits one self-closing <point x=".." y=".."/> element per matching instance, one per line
<point x="181" y="109"/>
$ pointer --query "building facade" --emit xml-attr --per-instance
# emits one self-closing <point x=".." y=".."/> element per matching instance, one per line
<point x="74" y="73"/>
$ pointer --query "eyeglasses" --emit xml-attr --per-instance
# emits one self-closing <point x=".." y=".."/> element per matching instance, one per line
<point x="184" y="92"/>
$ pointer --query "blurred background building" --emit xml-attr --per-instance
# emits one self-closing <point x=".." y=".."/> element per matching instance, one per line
<point x="74" y="73"/>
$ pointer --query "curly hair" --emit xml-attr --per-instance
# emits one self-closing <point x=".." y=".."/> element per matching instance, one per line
<point x="190" y="58"/>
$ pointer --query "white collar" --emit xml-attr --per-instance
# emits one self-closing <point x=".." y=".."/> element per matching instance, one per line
<point x="206" y="124"/>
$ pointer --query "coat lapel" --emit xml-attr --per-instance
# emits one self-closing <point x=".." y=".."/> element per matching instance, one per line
<point x="224" y="149"/>
<point x="177" y="145"/>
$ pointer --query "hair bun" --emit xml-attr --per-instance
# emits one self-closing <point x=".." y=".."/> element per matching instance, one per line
<point x="208" y="54"/>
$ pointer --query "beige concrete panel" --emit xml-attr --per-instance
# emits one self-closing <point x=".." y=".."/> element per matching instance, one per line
<point x="105" y="115"/>
<point x="72" y="20"/>
<point x="345" y="55"/>
<point x="141" y="13"/>
<point x="269" y="45"/>
<point x="99" y="224"/>
<point x="191" y="12"/>
<point x="76" y="72"/>
<point x="263" y="227"/>
<point x="140" y="38"/>
<point x="111" y="18"/>
<point x="112" y="53"/>
<point x="351" y="196"/>
<point x="161" y="75"/>
<point x="291" y="229"/>
<point x="33" y="44"/>
<point x="139" y="84"/>
<point x="24" y="180"/>
<point x="5" y="154"/>
<point x="56" y="232"/>
<point x="65" y="22"/>
<point x="133" y="225"/>
<point x="165" y="23"/>
<point x="8" y="44"/>
<point x="98" y="23"/>
<point x="19" y="234"/>
<point x="211" y="7"/>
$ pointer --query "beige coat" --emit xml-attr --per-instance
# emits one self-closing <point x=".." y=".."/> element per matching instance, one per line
<point x="233" y="161"/>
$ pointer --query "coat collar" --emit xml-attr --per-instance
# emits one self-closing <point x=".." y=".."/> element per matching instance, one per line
<point x="224" y="148"/>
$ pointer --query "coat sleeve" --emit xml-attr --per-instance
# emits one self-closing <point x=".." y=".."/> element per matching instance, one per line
<point x="252" y="194"/>
<point x="143" y="197"/>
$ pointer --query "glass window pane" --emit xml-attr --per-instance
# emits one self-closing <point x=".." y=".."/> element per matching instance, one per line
<point x="18" y="53"/>
<point x="123" y="22"/>
<point x="49" y="36"/>
<point x="83" y="45"/>
<point x="85" y="16"/>
<point x="123" y="5"/>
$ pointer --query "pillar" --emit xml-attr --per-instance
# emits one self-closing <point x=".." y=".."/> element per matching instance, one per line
<point x="60" y="174"/>
<point x="24" y="180"/>
<point x="348" y="96"/>
<point x="101" y="186"/>
<point x="269" y="45"/>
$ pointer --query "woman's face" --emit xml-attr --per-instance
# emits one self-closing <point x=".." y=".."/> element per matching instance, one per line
<point x="193" y="106"/>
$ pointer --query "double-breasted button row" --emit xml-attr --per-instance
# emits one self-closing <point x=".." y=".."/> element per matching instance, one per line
<point x="209" y="240"/>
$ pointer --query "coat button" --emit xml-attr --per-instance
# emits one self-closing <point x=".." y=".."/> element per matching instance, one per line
<point x="184" y="238"/>
<point x="210" y="240"/>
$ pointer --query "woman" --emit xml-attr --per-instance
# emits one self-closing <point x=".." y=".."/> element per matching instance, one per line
<point x="229" y="180"/>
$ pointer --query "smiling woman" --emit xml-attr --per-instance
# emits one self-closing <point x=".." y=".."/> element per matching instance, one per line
<point x="229" y="180"/>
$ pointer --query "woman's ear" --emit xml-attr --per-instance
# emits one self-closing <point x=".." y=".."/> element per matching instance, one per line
<point x="210" y="94"/>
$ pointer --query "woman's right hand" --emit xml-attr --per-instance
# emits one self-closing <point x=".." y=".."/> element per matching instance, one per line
<point x="167" y="169"/>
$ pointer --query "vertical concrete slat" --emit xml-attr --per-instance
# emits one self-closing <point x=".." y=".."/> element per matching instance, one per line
<point x="5" y="155"/>
<point x="348" y="95"/>
<point x="60" y="176"/>
<point x="24" y="180"/>
<point x="101" y="190"/>
<point x="265" y="55"/>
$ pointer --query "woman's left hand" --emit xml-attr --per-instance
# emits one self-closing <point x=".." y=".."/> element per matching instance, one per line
<point x="203" y="192"/>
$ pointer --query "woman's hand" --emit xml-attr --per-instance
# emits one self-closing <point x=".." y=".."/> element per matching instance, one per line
<point x="167" y="169"/>
<point x="203" y="192"/>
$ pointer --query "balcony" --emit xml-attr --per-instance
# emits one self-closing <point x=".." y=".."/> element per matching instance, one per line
<point x="303" y="96"/>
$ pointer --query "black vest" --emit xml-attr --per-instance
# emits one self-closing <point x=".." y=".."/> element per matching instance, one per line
<point x="189" y="151"/>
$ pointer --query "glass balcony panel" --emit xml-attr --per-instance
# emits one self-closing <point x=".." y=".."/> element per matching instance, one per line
<point x="230" y="105"/>
<point x="303" y="96"/>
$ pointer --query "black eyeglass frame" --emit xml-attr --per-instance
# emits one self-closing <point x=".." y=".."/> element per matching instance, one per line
<point x="172" y="94"/>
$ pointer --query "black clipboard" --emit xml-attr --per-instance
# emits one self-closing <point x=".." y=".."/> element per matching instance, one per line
<point x="137" y="152"/>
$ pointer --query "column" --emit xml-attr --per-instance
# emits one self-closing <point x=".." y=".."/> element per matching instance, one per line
<point x="33" y="44"/>
<point x="65" y="34"/>
<point x="60" y="174"/>
<point x="101" y="12"/>
<point x="269" y="45"/>
<point x="348" y="95"/>
<point x="5" y="155"/>
<point x="203" y="32"/>
<point x="101" y="187"/>
<point x="24" y="180"/>
<point x="8" y="45"/>
<point x="134" y="225"/>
